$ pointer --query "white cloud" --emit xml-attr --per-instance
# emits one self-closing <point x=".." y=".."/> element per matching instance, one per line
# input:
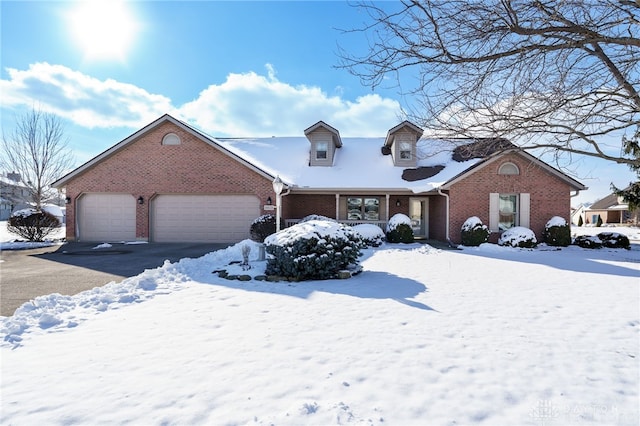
<point x="245" y="104"/>
<point x="84" y="100"/>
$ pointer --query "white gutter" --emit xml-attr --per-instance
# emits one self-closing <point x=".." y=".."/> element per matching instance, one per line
<point x="446" y="223"/>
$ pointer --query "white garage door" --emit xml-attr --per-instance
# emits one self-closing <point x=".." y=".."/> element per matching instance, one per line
<point x="107" y="217"/>
<point x="203" y="218"/>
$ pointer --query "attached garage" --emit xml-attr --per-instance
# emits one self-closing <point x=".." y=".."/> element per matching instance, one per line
<point x="202" y="218"/>
<point x="106" y="217"/>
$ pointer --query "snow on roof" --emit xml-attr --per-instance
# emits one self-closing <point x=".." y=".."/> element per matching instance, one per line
<point x="358" y="164"/>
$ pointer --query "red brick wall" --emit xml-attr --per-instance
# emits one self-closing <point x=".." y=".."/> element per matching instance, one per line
<point x="145" y="167"/>
<point x="470" y="197"/>
<point x="297" y="206"/>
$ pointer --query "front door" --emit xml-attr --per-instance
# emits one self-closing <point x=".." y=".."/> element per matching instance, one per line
<point x="419" y="214"/>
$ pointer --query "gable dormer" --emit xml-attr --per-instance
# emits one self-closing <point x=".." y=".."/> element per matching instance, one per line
<point x="324" y="142"/>
<point x="401" y="143"/>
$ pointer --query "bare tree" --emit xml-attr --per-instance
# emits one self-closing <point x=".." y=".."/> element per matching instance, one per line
<point x="556" y="74"/>
<point x="37" y="150"/>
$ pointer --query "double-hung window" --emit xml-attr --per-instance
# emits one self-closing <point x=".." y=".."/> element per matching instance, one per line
<point x="405" y="150"/>
<point x="322" y="149"/>
<point x="508" y="210"/>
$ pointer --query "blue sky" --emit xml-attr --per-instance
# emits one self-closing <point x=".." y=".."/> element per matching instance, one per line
<point x="230" y="68"/>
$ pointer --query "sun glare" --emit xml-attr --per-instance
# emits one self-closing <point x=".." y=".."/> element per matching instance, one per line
<point x="103" y="29"/>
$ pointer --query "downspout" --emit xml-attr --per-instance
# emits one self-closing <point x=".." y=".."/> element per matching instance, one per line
<point x="446" y="224"/>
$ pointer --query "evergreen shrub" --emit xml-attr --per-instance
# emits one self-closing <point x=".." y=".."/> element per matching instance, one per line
<point x="557" y="232"/>
<point x="518" y="236"/>
<point x="474" y="232"/>
<point x="312" y="250"/>
<point x="399" y="229"/>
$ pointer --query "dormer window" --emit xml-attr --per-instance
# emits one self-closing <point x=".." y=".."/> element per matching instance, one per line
<point x="325" y="140"/>
<point x="401" y="143"/>
<point x="321" y="150"/>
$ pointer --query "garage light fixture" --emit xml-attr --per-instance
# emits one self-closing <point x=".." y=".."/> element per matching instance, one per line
<point x="269" y="202"/>
<point x="67" y="200"/>
<point x="140" y="200"/>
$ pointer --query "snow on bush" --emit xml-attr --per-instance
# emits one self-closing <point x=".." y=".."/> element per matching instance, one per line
<point x="317" y="249"/>
<point x="399" y="229"/>
<point x="557" y="232"/>
<point x="474" y="232"/>
<point x="518" y="236"/>
<point x="262" y="227"/>
<point x="316" y="217"/>
<point x="370" y="234"/>
<point x="603" y="239"/>
<point x="33" y="225"/>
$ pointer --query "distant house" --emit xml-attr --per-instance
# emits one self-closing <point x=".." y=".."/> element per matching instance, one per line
<point x="13" y="195"/>
<point x="612" y="210"/>
<point x="171" y="182"/>
<point x="577" y="213"/>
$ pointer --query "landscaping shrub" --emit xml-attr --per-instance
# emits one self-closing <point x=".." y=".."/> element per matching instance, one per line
<point x="474" y="232"/>
<point x="557" y="232"/>
<point x="317" y="249"/>
<point x="316" y="217"/>
<point x="262" y="227"/>
<point x="588" y="241"/>
<point x="399" y="229"/>
<point x="370" y="234"/>
<point x="599" y="222"/>
<point x="603" y="239"/>
<point x="32" y="225"/>
<point x="518" y="236"/>
<point x="580" y="221"/>
<point x="614" y="240"/>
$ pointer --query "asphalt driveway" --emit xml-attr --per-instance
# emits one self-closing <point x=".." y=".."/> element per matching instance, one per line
<point x="75" y="267"/>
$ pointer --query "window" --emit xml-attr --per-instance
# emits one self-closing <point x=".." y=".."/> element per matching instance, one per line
<point x="508" y="169"/>
<point x="405" y="150"/>
<point x="359" y="208"/>
<point x="321" y="150"/>
<point x="171" y="139"/>
<point x="508" y="212"/>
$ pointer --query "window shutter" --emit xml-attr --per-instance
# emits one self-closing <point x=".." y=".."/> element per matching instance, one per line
<point x="525" y="208"/>
<point x="494" y="214"/>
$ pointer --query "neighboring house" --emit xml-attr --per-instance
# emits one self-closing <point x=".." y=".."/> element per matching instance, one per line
<point x="170" y="182"/>
<point x="577" y="213"/>
<point x="13" y="195"/>
<point x="612" y="210"/>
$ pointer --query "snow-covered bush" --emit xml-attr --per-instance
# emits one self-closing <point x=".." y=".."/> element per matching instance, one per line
<point x="370" y="234"/>
<point x="316" y="217"/>
<point x="32" y="225"/>
<point x="317" y="249"/>
<point x="399" y="229"/>
<point x="474" y="232"/>
<point x="262" y="227"/>
<point x="557" y="232"/>
<point x="603" y="239"/>
<point x="518" y="236"/>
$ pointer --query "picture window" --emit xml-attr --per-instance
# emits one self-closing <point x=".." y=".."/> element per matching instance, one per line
<point x="361" y="208"/>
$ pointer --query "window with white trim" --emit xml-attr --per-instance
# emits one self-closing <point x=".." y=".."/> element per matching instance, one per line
<point x="322" y="149"/>
<point x="508" y="169"/>
<point x="405" y="150"/>
<point x="171" y="139"/>
<point x="363" y="208"/>
<point x="508" y="210"/>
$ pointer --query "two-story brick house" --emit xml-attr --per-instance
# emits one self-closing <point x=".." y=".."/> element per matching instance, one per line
<point x="171" y="182"/>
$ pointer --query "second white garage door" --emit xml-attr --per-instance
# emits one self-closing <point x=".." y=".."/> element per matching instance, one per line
<point x="203" y="218"/>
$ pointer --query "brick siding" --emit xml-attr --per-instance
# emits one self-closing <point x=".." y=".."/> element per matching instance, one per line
<point x="145" y="168"/>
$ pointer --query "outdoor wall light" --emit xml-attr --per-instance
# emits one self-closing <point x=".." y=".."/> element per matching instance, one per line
<point x="398" y="204"/>
<point x="269" y="202"/>
<point x="140" y="200"/>
<point x="67" y="200"/>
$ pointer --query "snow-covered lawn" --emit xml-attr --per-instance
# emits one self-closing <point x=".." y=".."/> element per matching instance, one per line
<point x="487" y="335"/>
